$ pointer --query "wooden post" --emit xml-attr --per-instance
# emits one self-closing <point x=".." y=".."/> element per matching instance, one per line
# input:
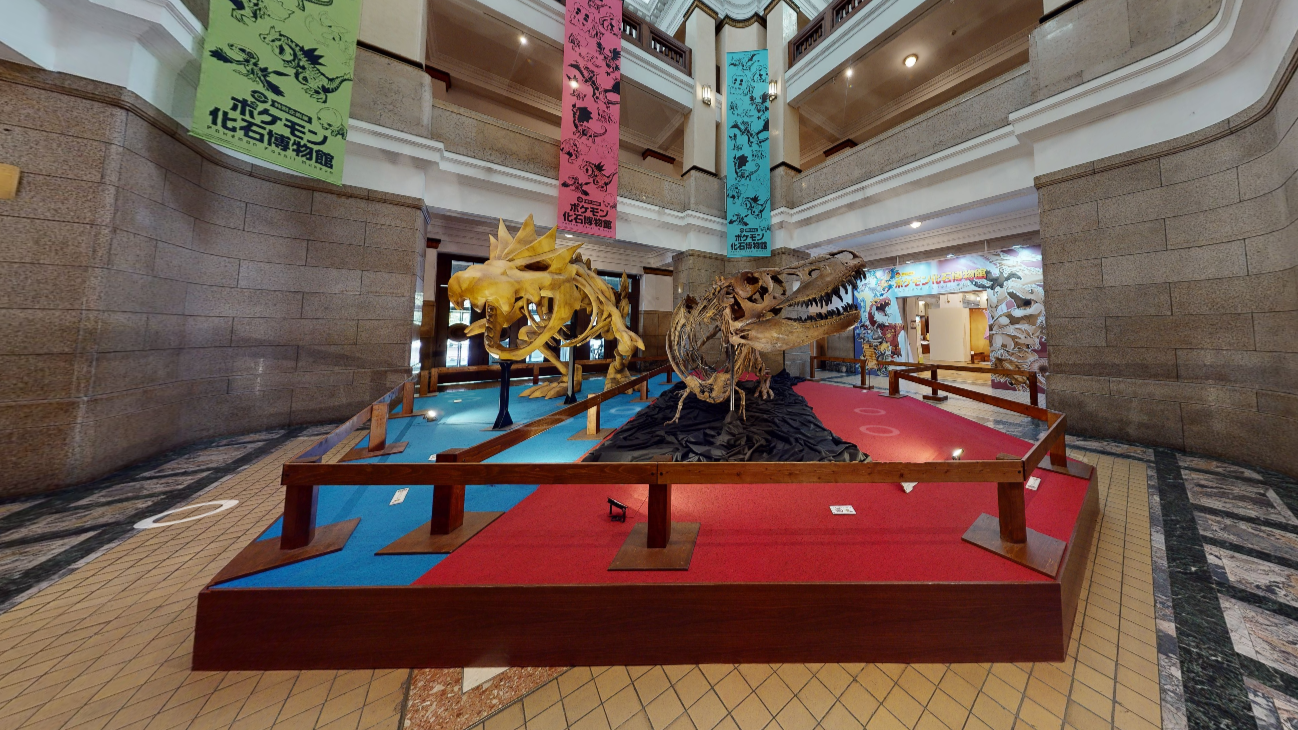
<point x="423" y="384"/>
<point x="378" y="427"/>
<point x="536" y="374"/>
<point x="669" y="376"/>
<point x="592" y="419"/>
<point x="448" y="500"/>
<point x="1032" y="388"/>
<point x="935" y="397"/>
<point x="299" y="517"/>
<point x="432" y="381"/>
<point x="1059" y="449"/>
<point x="407" y="398"/>
<point x="894" y="385"/>
<point x="660" y="515"/>
<point x="812" y="363"/>
<point x="1013" y="519"/>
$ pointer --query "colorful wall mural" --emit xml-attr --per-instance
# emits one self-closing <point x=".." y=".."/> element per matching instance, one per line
<point x="748" y="155"/>
<point x="592" y="63"/>
<point x="1016" y="320"/>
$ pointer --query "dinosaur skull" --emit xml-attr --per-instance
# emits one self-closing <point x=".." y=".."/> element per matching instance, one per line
<point x="808" y="290"/>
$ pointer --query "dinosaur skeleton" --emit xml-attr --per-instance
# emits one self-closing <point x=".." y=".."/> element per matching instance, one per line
<point x="529" y="278"/>
<point x="745" y="310"/>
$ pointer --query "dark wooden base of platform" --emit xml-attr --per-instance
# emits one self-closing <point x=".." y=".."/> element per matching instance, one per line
<point x="263" y="555"/>
<point x="1041" y="553"/>
<point x="583" y="436"/>
<point x="935" y="398"/>
<point x="864" y="387"/>
<point x="1079" y="469"/>
<point x="265" y="629"/>
<point x="420" y="541"/>
<point x="362" y="452"/>
<point x="634" y="554"/>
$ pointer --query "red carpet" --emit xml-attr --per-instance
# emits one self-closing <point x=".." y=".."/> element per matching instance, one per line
<point x="785" y="533"/>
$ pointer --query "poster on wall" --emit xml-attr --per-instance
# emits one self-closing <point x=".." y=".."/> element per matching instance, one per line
<point x="1016" y="321"/>
<point x="276" y="81"/>
<point x="748" y="155"/>
<point x="588" y="166"/>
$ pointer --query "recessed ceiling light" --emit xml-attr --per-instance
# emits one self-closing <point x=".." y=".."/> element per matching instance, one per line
<point x="567" y="235"/>
<point x="572" y="83"/>
<point x="849" y="73"/>
<point x="522" y="40"/>
<point x="915" y="224"/>
<point x="911" y="60"/>
<point x="950" y="255"/>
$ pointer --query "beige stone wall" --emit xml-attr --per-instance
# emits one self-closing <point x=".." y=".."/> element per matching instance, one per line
<point x="1173" y="307"/>
<point x="1095" y="37"/>
<point x="156" y="291"/>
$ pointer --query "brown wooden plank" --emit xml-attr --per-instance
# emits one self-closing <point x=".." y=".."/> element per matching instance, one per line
<point x="317" y="450"/>
<point x="676" y="554"/>
<point x="1009" y="405"/>
<point x="422" y="541"/>
<point x="1043" y="444"/>
<point x="262" y="555"/>
<point x="430" y="473"/>
<point x="621" y="624"/>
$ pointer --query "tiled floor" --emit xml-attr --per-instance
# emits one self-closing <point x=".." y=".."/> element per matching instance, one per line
<point x="1192" y="577"/>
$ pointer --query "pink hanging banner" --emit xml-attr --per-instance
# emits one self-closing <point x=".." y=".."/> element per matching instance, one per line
<point x="592" y="65"/>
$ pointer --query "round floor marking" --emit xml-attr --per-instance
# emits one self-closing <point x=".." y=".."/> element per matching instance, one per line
<point x="870" y="411"/>
<point x="624" y="409"/>
<point x="220" y="505"/>
<point x="879" y="431"/>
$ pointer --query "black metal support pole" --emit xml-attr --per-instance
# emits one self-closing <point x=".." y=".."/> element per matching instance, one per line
<point x="502" y="418"/>
<point x="572" y="364"/>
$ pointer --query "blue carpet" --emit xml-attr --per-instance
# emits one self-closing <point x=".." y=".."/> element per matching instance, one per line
<point x="462" y="416"/>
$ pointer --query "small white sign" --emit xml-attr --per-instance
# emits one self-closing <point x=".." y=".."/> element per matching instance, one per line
<point x="399" y="497"/>
<point x="908" y="486"/>
<point x="1033" y="483"/>
<point x="841" y="509"/>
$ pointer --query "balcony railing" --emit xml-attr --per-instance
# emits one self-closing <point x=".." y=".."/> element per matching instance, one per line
<point x="644" y="35"/>
<point x="834" y="15"/>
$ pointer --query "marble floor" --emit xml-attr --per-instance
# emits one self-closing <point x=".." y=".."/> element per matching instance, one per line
<point x="1189" y="619"/>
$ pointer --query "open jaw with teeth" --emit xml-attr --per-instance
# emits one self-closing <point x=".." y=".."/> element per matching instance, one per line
<point x="776" y="309"/>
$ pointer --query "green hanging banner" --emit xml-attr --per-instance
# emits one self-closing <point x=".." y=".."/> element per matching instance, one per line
<point x="276" y="81"/>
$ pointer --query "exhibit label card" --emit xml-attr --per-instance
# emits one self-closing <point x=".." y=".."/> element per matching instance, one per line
<point x="592" y="92"/>
<point x="276" y="81"/>
<point x="748" y="155"/>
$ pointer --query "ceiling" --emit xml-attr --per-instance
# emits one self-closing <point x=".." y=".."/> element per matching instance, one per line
<point x="960" y="43"/>
<point x="485" y="53"/>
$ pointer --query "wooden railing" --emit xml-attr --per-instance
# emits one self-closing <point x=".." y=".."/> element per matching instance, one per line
<point x="451" y="469"/>
<point x="1030" y="376"/>
<point x="815" y="32"/>
<point x="645" y="35"/>
<point x="640" y="32"/>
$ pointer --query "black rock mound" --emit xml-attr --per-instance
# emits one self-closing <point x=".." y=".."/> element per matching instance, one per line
<point x="783" y="428"/>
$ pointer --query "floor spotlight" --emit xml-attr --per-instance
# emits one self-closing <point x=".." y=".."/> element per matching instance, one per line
<point x="955" y="455"/>
<point x="614" y="504"/>
<point x="430" y="416"/>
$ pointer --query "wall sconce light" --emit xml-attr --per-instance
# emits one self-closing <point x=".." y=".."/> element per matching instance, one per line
<point x="707" y="95"/>
<point x="772" y="91"/>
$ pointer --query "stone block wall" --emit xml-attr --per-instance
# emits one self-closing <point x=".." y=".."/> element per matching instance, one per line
<point x="1173" y="281"/>
<point x="156" y="291"/>
<point x="1095" y="37"/>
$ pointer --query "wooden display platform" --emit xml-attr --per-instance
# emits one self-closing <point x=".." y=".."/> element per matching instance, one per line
<point x="645" y="622"/>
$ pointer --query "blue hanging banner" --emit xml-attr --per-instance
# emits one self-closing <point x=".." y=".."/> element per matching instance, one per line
<point x="748" y="155"/>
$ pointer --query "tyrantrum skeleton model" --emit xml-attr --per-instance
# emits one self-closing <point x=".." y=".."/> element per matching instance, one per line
<point x="762" y="310"/>
<point x="528" y="277"/>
